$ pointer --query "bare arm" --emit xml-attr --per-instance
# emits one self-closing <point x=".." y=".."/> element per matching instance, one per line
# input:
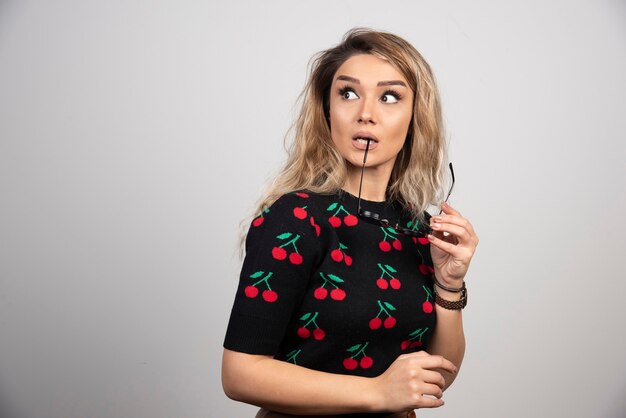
<point x="448" y="339"/>
<point x="452" y="253"/>
<point x="288" y="388"/>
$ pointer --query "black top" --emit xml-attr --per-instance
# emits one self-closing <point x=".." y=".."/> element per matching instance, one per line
<point x="323" y="289"/>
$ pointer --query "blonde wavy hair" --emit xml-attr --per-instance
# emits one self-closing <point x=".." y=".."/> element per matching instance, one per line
<point x="314" y="163"/>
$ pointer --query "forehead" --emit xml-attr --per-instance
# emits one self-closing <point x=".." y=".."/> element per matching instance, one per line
<point x="369" y="69"/>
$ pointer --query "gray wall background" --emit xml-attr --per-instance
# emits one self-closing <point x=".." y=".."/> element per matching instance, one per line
<point x="136" y="135"/>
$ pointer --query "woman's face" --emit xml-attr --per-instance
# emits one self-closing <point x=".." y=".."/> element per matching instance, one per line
<point x="369" y="98"/>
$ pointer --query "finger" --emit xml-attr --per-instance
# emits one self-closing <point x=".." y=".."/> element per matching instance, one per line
<point x="460" y="252"/>
<point x="461" y="234"/>
<point x="447" y="209"/>
<point x="433" y="377"/>
<point x="438" y="362"/>
<point x="426" y="402"/>
<point x="456" y="220"/>
<point x="430" y="389"/>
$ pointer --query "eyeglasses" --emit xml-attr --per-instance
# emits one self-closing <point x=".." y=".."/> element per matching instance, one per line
<point x="414" y="229"/>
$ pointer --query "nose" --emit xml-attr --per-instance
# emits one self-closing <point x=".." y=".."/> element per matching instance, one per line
<point x="366" y="112"/>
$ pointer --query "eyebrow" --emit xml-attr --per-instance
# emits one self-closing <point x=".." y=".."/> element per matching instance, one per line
<point x="380" y="83"/>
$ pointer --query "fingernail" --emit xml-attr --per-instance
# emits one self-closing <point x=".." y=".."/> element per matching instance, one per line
<point x="431" y="237"/>
<point x="437" y="218"/>
<point x="435" y="226"/>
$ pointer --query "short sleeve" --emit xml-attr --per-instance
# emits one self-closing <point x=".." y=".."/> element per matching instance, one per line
<point x="282" y="248"/>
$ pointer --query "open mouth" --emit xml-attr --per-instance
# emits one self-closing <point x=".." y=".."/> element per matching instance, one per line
<point x="363" y="137"/>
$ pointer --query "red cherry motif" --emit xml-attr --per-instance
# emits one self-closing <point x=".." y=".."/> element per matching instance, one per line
<point x="351" y="363"/>
<point x="422" y="240"/>
<point x="320" y="293"/>
<point x="414" y="339"/>
<point x="270" y="295"/>
<point x="300" y="213"/>
<point x="315" y="226"/>
<point x="384" y="308"/>
<point x="302" y="194"/>
<point x="335" y="221"/>
<point x="427" y="306"/>
<point x="389" y="322"/>
<point x="319" y="334"/>
<point x="390" y="240"/>
<point x="375" y="323"/>
<point x="425" y="269"/>
<point x="252" y="290"/>
<point x="280" y="253"/>
<point x="337" y="294"/>
<point x="333" y="281"/>
<point x="295" y="258"/>
<point x="336" y="255"/>
<point x="366" y="362"/>
<point x="305" y="332"/>
<point x="387" y="273"/>
<point x="258" y="221"/>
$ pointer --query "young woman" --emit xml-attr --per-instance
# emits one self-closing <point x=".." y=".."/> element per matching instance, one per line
<point x="350" y="293"/>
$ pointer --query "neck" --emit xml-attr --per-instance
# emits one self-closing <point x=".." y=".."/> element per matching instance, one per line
<point x="375" y="181"/>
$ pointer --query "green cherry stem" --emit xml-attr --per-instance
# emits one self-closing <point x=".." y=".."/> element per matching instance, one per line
<point x="384" y="271"/>
<point x="292" y="242"/>
<point x="312" y="320"/>
<point x="429" y="295"/>
<point x="264" y="279"/>
<point x="382" y="309"/>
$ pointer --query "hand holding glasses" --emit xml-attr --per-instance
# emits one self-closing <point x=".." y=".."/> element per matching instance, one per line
<point x="375" y="219"/>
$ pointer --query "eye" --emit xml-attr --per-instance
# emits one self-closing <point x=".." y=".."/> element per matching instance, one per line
<point x="390" y="97"/>
<point x="348" y="94"/>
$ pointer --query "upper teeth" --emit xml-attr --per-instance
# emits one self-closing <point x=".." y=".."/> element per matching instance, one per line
<point x="364" y="140"/>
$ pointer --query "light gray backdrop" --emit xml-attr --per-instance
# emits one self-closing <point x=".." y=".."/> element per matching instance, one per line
<point x="135" y="135"/>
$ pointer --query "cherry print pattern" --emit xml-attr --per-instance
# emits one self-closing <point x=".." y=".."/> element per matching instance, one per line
<point x="338" y="255"/>
<point x="337" y="293"/>
<point x="390" y="240"/>
<point x="414" y="339"/>
<point x="315" y="226"/>
<point x="335" y="221"/>
<point x="279" y="253"/>
<point x="258" y="221"/>
<point x="427" y="306"/>
<point x="309" y="320"/>
<point x="387" y="278"/>
<point x="389" y="322"/>
<point x="291" y="231"/>
<point x="292" y="356"/>
<point x="252" y="291"/>
<point x="351" y="363"/>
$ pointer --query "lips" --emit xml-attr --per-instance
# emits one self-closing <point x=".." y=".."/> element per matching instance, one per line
<point x="364" y="136"/>
<point x="359" y="140"/>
